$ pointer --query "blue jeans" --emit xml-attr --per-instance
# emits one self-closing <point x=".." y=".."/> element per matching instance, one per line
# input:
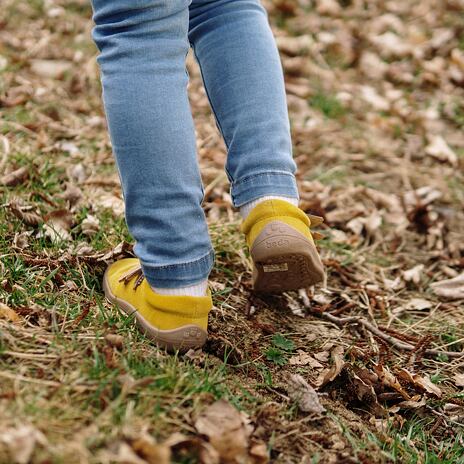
<point x="143" y="45"/>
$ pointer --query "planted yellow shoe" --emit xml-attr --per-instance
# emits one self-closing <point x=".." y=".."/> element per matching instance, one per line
<point x="282" y="247"/>
<point x="173" y="322"/>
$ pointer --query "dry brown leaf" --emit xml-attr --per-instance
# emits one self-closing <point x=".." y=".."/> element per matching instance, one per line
<point x="226" y="430"/>
<point x="21" y="240"/>
<point x="294" y="45"/>
<point x="77" y="173"/>
<point x="322" y="356"/>
<point x="152" y="452"/>
<point x="303" y="359"/>
<point x="15" y="178"/>
<point x="414" y="274"/>
<point x="458" y="380"/>
<point x="206" y="453"/>
<point x="422" y="382"/>
<point x="411" y="404"/>
<point x="329" y="375"/>
<point x="301" y="393"/>
<point x="115" y="340"/>
<point x="9" y="314"/>
<point x="439" y="149"/>
<point x="58" y="224"/>
<point x="72" y="194"/>
<point x="361" y="384"/>
<point x="112" y="202"/>
<point x="452" y="289"/>
<point x="53" y="69"/>
<point x="23" y="213"/>
<point x="122" y="454"/>
<point x="328" y="7"/>
<point x="388" y="379"/>
<point x="259" y="453"/>
<point x="418" y="304"/>
<point x="90" y="225"/>
<point x="20" y="443"/>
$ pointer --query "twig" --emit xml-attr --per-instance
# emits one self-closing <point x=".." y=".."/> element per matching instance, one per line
<point x="6" y="152"/>
<point x="358" y="320"/>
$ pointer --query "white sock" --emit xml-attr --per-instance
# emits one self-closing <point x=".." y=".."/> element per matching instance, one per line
<point x="192" y="290"/>
<point x="245" y="209"/>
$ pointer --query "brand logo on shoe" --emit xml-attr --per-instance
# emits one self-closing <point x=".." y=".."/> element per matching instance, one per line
<point x="281" y="242"/>
<point x="281" y="267"/>
<point x="192" y="333"/>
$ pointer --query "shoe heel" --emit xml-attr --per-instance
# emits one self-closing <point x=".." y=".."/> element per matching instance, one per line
<point x="284" y="260"/>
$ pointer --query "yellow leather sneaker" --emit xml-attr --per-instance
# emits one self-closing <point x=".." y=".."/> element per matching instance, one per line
<point x="173" y="322"/>
<point x="282" y="247"/>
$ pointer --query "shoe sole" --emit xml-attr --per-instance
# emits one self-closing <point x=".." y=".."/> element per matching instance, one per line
<point x="182" y="339"/>
<point x="284" y="260"/>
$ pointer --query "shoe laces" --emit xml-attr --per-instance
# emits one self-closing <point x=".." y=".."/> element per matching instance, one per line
<point x="136" y="273"/>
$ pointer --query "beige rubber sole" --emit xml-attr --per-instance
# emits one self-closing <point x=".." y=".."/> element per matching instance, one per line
<point x="182" y="339"/>
<point x="284" y="260"/>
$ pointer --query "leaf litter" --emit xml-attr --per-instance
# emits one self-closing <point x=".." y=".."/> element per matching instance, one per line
<point x="375" y="98"/>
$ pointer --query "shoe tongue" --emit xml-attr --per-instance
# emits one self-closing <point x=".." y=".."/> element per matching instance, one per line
<point x="272" y="208"/>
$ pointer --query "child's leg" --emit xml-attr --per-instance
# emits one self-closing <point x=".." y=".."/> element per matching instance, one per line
<point x="243" y="77"/>
<point x="143" y="46"/>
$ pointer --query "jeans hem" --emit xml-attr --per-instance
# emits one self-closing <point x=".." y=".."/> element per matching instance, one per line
<point x="262" y="184"/>
<point x="179" y="275"/>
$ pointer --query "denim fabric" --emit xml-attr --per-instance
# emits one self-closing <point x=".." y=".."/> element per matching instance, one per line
<point x="143" y="45"/>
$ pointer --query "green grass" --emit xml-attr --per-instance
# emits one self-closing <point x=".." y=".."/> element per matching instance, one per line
<point x="328" y="105"/>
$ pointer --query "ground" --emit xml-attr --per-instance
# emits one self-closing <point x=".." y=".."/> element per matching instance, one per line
<point x="367" y="367"/>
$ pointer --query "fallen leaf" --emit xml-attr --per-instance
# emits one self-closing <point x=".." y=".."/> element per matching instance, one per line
<point x="7" y="313"/>
<point x="361" y="383"/>
<point x="20" y="442"/>
<point x="328" y="7"/>
<point x="15" y="178"/>
<point x="370" y="96"/>
<point x="53" y="69"/>
<point x="439" y="149"/>
<point x="122" y="454"/>
<point x="72" y="194"/>
<point x="294" y="45"/>
<point x="390" y="45"/>
<point x="23" y="213"/>
<point x="329" y="375"/>
<point x="90" y="225"/>
<point x="112" y="202"/>
<point x="372" y="66"/>
<point x="303" y="359"/>
<point x="414" y="274"/>
<point x="418" y="304"/>
<point x="458" y="380"/>
<point x="322" y="356"/>
<point x="115" y="340"/>
<point x="58" y="224"/>
<point x="226" y="430"/>
<point x="77" y="173"/>
<point x="411" y="404"/>
<point x="259" y="453"/>
<point x="301" y="393"/>
<point x="452" y="289"/>
<point x="152" y="452"/>
<point x="388" y="379"/>
<point x="422" y="382"/>
<point x="206" y="453"/>
<point x="21" y="240"/>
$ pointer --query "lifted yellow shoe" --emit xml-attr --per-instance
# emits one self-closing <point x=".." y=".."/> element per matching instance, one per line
<point x="282" y="247"/>
<point x="172" y="322"/>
